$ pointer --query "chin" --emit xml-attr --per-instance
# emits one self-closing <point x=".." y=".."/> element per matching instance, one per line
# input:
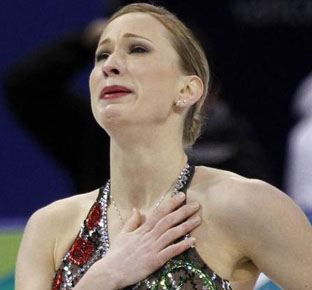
<point x="112" y="116"/>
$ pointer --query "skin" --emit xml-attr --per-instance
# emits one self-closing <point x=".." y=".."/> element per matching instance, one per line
<point x="247" y="226"/>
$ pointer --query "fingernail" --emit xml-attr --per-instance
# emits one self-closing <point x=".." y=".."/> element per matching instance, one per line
<point x="192" y="242"/>
<point x="194" y="205"/>
<point x="180" y="196"/>
<point x="195" y="219"/>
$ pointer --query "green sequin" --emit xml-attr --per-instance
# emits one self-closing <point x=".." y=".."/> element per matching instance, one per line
<point x="181" y="262"/>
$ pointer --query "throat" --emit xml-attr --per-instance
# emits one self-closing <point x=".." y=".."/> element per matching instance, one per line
<point x="148" y="199"/>
<point x="141" y="179"/>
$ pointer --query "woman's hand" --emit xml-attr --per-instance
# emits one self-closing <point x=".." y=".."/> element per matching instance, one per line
<point x="139" y="250"/>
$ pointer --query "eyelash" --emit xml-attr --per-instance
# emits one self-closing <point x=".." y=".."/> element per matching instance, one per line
<point x="103" y="55"/>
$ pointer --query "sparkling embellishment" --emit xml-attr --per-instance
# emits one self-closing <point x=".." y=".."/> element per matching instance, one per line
<point x="81" y="251"/>
<point x="92" y="243"/>
<point x="226" y="285"/>
<point x="94" y="216"/>
<point x="179" y="183"/>
<point x="183" y="263"/>
<point x="58" y="280"/>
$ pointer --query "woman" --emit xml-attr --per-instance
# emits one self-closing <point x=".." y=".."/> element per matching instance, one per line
<point x="148" y="84"/>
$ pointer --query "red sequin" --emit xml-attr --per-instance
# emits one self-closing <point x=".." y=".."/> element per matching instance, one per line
<point x="57" y="280"/>
<point x="94" y="216"/>
<point x="81" y="251"/>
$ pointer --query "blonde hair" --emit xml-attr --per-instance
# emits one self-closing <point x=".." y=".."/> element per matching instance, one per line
<point x="193" y="60"/>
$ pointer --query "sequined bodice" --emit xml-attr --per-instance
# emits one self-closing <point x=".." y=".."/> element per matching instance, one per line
<point x="186" y="271"/>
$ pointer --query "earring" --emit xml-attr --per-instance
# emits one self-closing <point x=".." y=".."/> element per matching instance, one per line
<point x="179" y="102"/>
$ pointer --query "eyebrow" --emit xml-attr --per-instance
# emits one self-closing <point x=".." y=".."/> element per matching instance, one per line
<point x="126" y="35"/>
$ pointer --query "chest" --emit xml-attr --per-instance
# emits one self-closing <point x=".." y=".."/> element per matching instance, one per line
<point x="213" y="246"/>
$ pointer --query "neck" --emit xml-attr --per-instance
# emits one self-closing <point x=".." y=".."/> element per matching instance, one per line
<point x="141" y="175"/>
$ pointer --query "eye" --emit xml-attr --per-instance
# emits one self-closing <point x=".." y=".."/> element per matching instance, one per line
<point x="100" y="56"/>
<point x="138" y="49"/>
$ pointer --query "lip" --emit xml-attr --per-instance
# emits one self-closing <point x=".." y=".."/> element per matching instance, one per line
<point x="114" y="91"/>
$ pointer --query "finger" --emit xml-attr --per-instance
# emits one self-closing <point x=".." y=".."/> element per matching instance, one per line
<point x="175" y="249"/>
<point x="177" y="232"/>
<point x="163" y="210"/>
<point x="134" y="221"/>
<point x="174" y="218"/>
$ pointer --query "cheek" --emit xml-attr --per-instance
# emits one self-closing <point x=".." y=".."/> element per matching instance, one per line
<point x="95" y="80"/>
<point x="162" y="82"/>
<point x="157" y="77"/>
<point x="92" y="86"/>
<point x="92" y="81"/>
<point x="159" y="91"/>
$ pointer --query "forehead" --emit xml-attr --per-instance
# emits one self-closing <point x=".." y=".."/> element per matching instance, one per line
<point x="141" y="24"/>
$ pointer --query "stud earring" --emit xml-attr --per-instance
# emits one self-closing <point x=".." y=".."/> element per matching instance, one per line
<point x="179" y="102"/>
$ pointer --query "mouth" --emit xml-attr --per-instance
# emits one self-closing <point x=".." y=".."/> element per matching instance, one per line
<point x="115" y="91"/>
<point x="113" y="95"/>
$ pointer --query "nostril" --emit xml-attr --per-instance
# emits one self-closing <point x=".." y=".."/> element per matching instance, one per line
<point x="110" y="71"/>
<point x="115" y="71"/>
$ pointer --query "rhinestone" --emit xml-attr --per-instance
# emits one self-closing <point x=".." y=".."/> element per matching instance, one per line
<point x="100" y="235"/>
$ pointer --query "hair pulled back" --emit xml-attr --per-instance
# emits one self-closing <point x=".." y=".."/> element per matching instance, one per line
<point x="193" y="60"/>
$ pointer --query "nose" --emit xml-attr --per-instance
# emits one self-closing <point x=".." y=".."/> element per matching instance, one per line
<point x="111" y="66"/>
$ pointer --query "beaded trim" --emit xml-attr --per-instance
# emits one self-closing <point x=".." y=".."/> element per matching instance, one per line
<point x="92" y="243"/>
<point x="71" y="269"/>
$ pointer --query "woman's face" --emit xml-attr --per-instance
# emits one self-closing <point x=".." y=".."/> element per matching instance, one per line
<point x="134" y="51"/>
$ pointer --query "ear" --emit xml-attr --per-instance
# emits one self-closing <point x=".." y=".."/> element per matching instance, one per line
<point x="192" y="89"/>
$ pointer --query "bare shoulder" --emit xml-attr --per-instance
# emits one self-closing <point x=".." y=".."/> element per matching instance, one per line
<point x="58" y="223"/>
<point x="44" y="235"/>
<point x="240" y="202"/>
<point x="62" y="212"/>
<point x="268" y="226"/>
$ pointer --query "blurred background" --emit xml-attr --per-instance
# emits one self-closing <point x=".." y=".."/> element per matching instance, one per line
<point x="258" y="117"/>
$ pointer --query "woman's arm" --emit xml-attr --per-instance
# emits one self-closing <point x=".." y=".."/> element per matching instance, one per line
<point x="149" y="244"/>
<point x="35" y="267"/>
<point x="274" y="233"/>
<point x="35" y="260"/>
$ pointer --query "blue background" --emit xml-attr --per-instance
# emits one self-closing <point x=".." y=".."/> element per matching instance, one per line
<point x="29" y="177"/>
